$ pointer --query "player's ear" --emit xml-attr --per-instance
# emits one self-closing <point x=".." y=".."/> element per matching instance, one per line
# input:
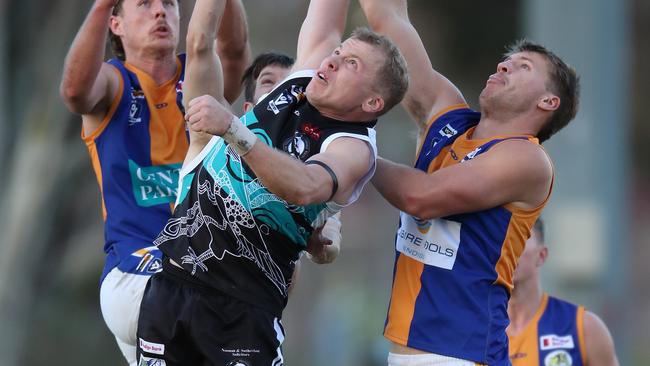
<point x="549" y="102"/>
<point x="248" y="106"/>
<point x="375" y="104"/>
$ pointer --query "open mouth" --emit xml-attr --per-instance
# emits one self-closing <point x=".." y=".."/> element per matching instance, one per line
<point x="321" y="76"/>
<point x="161" y="30"/>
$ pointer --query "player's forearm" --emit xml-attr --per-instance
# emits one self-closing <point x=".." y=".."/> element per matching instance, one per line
<point x="400" y="186"/>
<point x="287" y="177"/>
<point x="85" y="57"/>
<point x="321" y="31"/>
<point x="380" y="13"/>
<point x="233" y="48"/>
<point x="203" y="25"/>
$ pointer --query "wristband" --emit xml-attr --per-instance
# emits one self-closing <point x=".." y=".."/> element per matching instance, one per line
<point x="239" y="137"/>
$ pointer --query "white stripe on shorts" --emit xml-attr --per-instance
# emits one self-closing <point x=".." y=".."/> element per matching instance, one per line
<point x="279" y="333"/>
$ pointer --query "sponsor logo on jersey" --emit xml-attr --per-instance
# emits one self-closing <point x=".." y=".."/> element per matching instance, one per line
<point x="237" y="363"/>
<point x="311" y="131"/>
<point x="553" y="341"/>
<point x="149" y="262"/>
<point x="137" y="105"/>
<point x="297" y="145"/>
<point x="558" y="358"/>
<point x="432" y="145"/>
<point x="437" y="246"/>
<point x="423" y="225"/>
<point x="149" y="361"/>
<point x="151" y="347"/>
<point x="286" y="98"/>
<point x="453" y="154"/>
<point x="447" y="131"/>
<point x="471" y="155"/>
<point x="154" y="185"/>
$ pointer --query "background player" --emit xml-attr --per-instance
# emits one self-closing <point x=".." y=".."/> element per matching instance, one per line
<point x="545" y="330"/>
<point x="135" y="132"/>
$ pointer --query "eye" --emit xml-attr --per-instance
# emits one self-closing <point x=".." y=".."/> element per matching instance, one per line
<point x="525" y="66"/>
<point x="169" y="2"/>
<point x="143" y="2"/>
<point x="266" y="81"/>
<point x="337" y="52"/>
<point x="352" y="62"/>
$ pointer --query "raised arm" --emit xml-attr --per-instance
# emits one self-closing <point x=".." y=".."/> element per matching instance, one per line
<point x="88" y="84"/>
<point x="429" y="92"/>
<point x="233" y="48"/>
<point x="321" y="32"/>
<point x="203" y="72"/>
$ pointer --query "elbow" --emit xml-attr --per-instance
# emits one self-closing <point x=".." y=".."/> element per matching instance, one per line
<point x="198" y="42"/>
<point x="73" y="98"/>
<point x="416" y="205"/>
<point x="301" y="196"/>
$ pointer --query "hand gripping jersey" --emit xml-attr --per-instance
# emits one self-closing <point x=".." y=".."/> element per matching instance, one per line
<point x="554" y="337"/>
<point x="453" y="275"/>
<point x="136" y="154"/>
<point x="228" y="230"/>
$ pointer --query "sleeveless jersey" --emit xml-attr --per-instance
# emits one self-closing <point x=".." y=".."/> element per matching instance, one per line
<point x="554" y="337"/>
<point x="452" y="275"/>
<point x="228" y="230"/>
<point x="136" y="154"/>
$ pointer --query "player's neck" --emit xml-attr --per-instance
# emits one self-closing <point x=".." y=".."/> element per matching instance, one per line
<point x="161" y="67"/>
<point x="523" y="304"/>
<point x="505" y="123"/>
<point x="488" y="127"/>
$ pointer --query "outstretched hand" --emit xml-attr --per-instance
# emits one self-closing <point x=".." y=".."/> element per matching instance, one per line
<point x="206" y="114"/>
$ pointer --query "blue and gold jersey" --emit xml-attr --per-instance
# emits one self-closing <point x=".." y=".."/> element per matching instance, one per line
<point x="136" y="154"/>
<point x="228" y="230"/>
<point x="453" y="275"/>
<point x="553" y="337"/>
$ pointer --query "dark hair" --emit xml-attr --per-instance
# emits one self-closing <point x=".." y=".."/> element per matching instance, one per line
<point x="563" y="81"/>
<point x="393" y="80"/>
<point x="539" y="227"/>
<point x="259" y="63"/>
<point x="115" y="41"/>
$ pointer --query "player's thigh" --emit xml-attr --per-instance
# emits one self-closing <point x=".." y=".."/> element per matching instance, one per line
<point x="163" y="324"/>
<point x="234" y="332"/>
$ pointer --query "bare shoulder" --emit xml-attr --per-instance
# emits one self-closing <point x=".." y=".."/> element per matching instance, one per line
<point x="599" y="343"/>
<point x="525" y="152"/>
<point x="529" y="167"/>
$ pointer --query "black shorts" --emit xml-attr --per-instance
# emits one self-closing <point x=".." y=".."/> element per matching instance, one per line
<point x="186" y="323"/>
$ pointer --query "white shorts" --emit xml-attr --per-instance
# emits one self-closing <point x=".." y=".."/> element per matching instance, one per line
<point x="428" y="359"/>
<point x="119" y="297"/>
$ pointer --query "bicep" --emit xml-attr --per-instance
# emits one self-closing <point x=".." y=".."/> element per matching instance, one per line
<point x="97" y="100"/>
<point x="348" y="171"/>
<point x="104" y="90"/>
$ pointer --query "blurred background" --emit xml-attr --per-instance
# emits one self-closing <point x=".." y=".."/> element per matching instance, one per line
<point x="597" y="220"/>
